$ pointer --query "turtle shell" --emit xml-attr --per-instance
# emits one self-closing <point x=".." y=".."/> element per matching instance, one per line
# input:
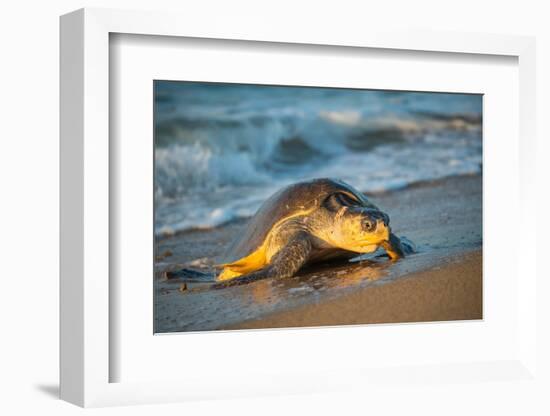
<point x="299" y="197"/>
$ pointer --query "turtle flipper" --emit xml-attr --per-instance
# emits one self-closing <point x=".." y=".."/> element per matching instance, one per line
<point x="398" y="247"/>
<point x="283" y="264"/>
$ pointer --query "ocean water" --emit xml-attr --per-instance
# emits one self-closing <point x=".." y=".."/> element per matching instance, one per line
<point x="221" y="149"/>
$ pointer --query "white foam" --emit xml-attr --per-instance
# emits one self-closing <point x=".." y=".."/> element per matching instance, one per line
<point x="385" y="168"/>
<point x="221" y="150"/>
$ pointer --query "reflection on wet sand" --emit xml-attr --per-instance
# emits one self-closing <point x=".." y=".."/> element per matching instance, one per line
<point x="321" y="278"/>
<point x="200" y="307"/>
<point x="330" y="277"/>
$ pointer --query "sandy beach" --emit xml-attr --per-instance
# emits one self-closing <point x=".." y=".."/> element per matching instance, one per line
<point x="443" y="281"/>
<point x="452" y="291"/>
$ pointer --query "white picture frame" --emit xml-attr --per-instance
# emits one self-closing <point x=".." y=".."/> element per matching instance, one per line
<point x="86" y="355"/>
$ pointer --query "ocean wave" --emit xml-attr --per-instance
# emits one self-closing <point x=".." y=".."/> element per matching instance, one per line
<point x="255" y="155"/>
<point x="220" y="152"/>
<point x="180" y="170"/>
<point x="235" y="189"/>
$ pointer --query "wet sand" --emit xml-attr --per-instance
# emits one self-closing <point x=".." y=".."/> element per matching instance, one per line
<point x="450" y="292"/>
<point x="443" y="281"/>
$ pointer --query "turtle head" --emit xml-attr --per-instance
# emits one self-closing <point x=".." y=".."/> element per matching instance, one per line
<point x="355" y="226"/>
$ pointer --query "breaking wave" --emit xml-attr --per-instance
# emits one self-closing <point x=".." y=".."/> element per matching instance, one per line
<point x="220" y="151"/>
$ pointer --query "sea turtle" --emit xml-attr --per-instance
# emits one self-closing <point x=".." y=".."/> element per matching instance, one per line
<point x="303" y="223"/>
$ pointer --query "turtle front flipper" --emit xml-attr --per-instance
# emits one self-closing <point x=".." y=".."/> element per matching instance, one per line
<point x="284" y="264"/>
<point x="398" y="247"/>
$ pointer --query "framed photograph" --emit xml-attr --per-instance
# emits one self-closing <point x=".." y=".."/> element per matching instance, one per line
<point x="273" y="206"/>
<point x="227" y="197"/>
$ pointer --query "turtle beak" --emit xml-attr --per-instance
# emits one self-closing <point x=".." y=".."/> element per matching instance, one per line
<point x="385" y="231"/>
